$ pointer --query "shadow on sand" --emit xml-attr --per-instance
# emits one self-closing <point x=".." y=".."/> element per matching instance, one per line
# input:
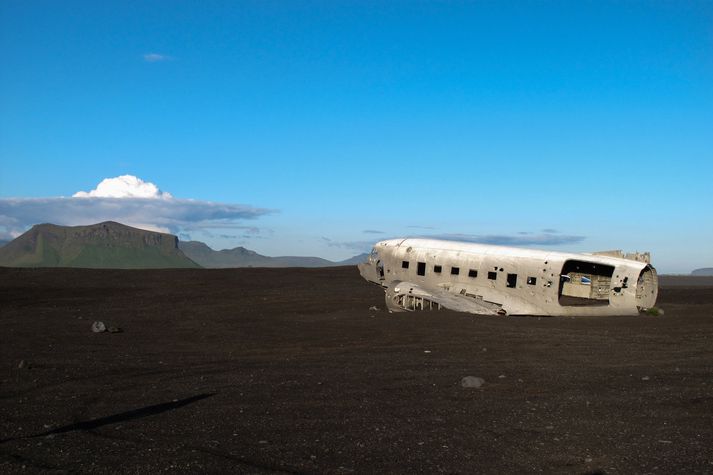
<point x="120" y="417"/>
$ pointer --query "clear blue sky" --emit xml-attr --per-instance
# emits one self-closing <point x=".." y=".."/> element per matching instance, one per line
<point x="592" y="119"/>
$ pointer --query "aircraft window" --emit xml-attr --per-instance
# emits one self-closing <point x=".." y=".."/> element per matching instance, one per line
<point x="421" y="270"/>
<point x="404" y="265"/>
<point x="455" y="270"/>
<point x="532" y="280"/>
<point x="437" y="269"/>
<point x="492" y="275"/>
<point x="512" y="281"/>
<point x="472" y="273"/>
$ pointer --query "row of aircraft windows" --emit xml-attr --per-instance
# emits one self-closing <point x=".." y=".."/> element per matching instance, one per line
<point x="473" y="273"/>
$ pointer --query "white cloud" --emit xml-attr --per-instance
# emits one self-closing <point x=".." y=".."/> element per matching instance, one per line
<point x="124" y="186"/>
<point x="553" y="238"/>
<point x="155" y="57"/>
<point x="128" y="200"/>
<point x="521" y="239"/>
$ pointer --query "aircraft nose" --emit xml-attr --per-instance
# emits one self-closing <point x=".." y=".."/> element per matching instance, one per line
<point x="367" y="271"/>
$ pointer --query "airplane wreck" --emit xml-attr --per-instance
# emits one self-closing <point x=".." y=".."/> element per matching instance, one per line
<point x="429" y="274"/>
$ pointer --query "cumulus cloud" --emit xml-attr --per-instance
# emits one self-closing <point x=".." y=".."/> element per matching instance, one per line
<point x="128" y="200"/>
<point x="155" y="57"/>
<point x="124" y="186"/>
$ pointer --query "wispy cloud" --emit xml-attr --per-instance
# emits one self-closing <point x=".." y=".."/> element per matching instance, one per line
<point x="522" y="238"/>
<point x="171" y="215"/>
<point x="119" y="199"/>
<point x="519" y="239"/>
<point x="156" y="57"/>
<point x="241" y="231"/>
<point x="359" y="246"/>
<point x="372" y="231"/>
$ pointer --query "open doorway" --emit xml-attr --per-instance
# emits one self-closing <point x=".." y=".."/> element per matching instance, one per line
<point x="585" y="283"/>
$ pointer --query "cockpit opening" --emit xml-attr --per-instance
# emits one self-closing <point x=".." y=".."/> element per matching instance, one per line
<point x="647" y="288"/>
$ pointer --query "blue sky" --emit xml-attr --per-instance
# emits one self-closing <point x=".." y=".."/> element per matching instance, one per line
<point x="572" y="125"/>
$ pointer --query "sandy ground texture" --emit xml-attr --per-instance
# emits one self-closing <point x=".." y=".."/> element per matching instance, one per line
<point x="288" y="370"/>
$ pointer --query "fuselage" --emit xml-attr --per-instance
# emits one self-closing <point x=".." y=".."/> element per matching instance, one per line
<point x="520" y="281"/>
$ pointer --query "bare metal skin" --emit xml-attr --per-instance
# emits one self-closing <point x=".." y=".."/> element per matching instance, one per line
<point x="423" y="274"/>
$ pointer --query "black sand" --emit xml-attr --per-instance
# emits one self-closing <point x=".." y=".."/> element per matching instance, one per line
<point x="270" y="370"/>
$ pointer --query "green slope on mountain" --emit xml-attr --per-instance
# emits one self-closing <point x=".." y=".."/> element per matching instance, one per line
<point x="103" y="245"/>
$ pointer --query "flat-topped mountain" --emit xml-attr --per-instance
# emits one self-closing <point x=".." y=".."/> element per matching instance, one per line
<point x="103" y="245"/>
<point x="241" y="257"/>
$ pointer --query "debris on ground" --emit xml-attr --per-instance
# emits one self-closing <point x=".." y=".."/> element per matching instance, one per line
<point x="472" y="382"/>
<point x="98" y="327"/>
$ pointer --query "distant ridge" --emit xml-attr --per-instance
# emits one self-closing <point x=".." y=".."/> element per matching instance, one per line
<point x="103" y="245"/>
<point x="241" y="257"/>
<point x="703" y="271"/>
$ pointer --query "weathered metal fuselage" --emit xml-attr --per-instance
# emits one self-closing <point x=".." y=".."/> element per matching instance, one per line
<point x="484" y="279"/>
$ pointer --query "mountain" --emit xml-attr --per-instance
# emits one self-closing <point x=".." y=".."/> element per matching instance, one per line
<point x="352" y="261"/>
<point x="103" y="245"/>
<point x="703" y="271"/>
<point x="241" y="257"/>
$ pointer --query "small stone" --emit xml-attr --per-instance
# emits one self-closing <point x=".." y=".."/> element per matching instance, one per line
<point x="22" y="364"/>
<point x="373" y="308"/>
<point x="588" y="460"/>
<point x="114" y="330"/>
<point x="98" y="327"/>
<point x="502" y="376"/>
<point x="472" y="382"/>
<point x="426" y="351"/>
<point x="645" y="378"/>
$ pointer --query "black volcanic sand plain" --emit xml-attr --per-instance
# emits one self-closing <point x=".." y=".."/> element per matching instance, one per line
<point x="288" y="370"/>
